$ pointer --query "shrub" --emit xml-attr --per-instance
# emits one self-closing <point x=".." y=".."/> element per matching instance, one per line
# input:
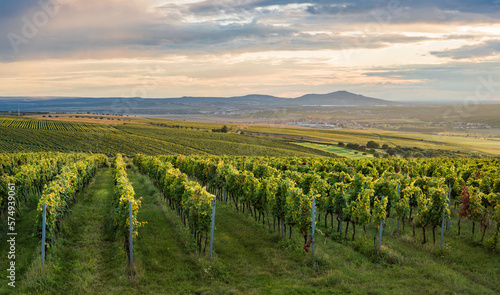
<point x="372" y="144"/>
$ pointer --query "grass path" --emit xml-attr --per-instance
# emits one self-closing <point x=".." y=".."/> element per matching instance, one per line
<point x="247" y="258"/>
<point x="253" y="257"/>
<point x="86" y="256"/>
<point x="164" y="264"/>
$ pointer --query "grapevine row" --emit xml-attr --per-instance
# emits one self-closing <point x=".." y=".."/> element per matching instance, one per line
<point x="355" y="197"/>
<point x="53" y="125"/>
<point x="281" y="196"/>
<point x="124" y="195"/>
<point x="35" y="171"/>
<point x="61" y="192"/>
<point x="192" y="202"/>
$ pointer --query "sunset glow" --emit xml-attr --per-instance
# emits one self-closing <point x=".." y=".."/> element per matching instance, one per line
<point x="399" y="50"/>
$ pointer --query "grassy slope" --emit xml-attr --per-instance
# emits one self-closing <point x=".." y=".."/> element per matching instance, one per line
<point x="27" y="245"/>
<point x="251" y="260"/>
<point x="246" y="258"/>
<point x="344" y="152"/>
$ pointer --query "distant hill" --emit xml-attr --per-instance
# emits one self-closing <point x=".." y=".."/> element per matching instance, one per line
<point x="340" y="98"/>
<point x="182" y="105"/>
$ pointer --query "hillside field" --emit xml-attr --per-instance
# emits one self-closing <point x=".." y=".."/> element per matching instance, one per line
<point x="87" y="254"/>
<point x="130" y="135"/>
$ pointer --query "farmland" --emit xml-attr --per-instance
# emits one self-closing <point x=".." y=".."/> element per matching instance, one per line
<point x="470" y="145"/>
<point x="129" y="139"/>
<point x="205" y="147"/>
<point x="164" y="136"/>
<point x="257" y="249"/>
<point x="53" y="125"/>
<point x="253" y="256"/>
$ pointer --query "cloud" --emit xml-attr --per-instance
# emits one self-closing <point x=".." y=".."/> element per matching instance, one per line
<point x="285" y="45"/>
<point x="96" y="29"/>
<point x="407" y="11"/>
<point x="113" y="28"/>
<point x="14" y="8"/>
<point x="456" y="77"/>
<point x="484" y="49"/>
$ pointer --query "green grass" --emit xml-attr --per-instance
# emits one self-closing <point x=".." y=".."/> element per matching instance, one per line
<point x="340" y="151"/>
<point x="27" y="245"/>
<point x="165" y="262"/>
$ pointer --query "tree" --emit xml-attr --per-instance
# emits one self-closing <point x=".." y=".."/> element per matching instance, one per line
<point x="360" y="189"/>
<point x="432" y="204"/>
<point x="423" y="213"/>
<point x="372" y="145"/>
<point x="385" y="146"/>
<point x="341" y="144"/>
<point x="391" y="152"/>
<point x="224" y="129"/>
<point x="379" y="212"/>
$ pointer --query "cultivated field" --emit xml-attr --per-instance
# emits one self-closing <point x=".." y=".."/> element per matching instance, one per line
<point x="263" y="221"/>
<point x="261" y="246"/>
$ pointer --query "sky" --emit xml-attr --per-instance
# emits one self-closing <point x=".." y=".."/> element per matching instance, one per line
<point x="391" y="49"/>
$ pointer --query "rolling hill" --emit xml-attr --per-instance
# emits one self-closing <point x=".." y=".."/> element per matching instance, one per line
<point x="182" y="105"/>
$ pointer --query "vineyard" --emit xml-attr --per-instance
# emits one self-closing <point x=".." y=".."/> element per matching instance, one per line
<point x="385" y="215"/>
<point x="131" y="139"/>
<point x="53" y="125"/>
<point x="356" y="192"/>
